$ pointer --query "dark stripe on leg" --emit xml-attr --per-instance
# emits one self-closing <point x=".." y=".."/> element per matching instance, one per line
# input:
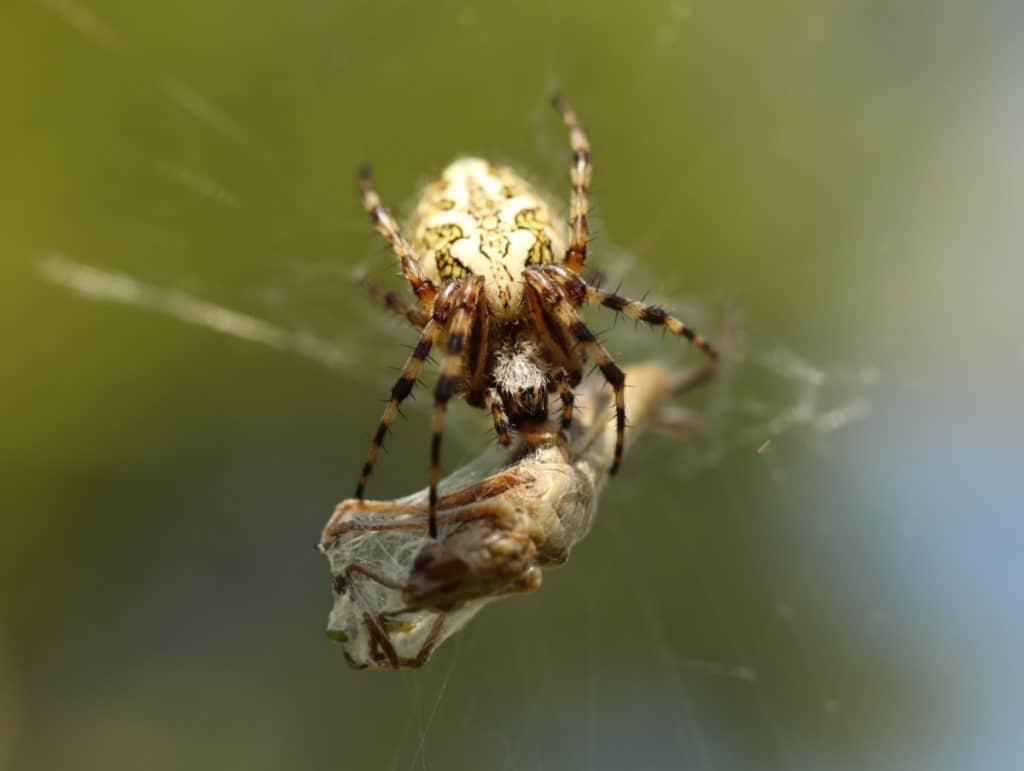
<point x="391" y="299"/>
<point x="649" y="314"/>
<point x="611" y="372"/>
<point x="582" y="167"/>
<point x="388" y="228"/>
<point x="453" y="366"/>
<point x="568" y="398"/>
<point x="401" y="389"/>
<point x="498" y="415"/>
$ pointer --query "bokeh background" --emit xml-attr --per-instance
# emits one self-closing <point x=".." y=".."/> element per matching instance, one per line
<point x="846" y="598"/>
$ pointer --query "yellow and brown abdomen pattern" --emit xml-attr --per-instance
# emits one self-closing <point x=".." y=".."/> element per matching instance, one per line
<point x="478" y="218"/>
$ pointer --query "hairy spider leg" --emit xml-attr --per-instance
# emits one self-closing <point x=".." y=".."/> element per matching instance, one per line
<point x="580" y="292"/>
<point x="568" y="399"/>
<point x="387" y="227"/>
<point x="568" y="319"/>
<point x="649" y="314"/>
<point x="391" y="299"/>
<point x="543" y="296"/>
<point x="466" y="299"/>
<point x="493" y="402"/>
<point x="476" y="354"/>
<point x="612" y="373"/>
<point x="401" y="389"/>
<point x="582" y="166"/>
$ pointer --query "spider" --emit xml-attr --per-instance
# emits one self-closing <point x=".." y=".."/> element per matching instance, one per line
<point x="499" y="287"/>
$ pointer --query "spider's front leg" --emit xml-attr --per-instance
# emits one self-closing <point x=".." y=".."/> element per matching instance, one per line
<point x="552" y="302"/>
<point x="432" y="332"/>
<point x="634" y="309"/>
<point x="401" y="389"/>
<point x="463" y="344"/>
<point x="582" y="166"/>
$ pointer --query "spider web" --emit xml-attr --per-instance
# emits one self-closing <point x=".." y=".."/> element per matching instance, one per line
<point x="735" y="627"/>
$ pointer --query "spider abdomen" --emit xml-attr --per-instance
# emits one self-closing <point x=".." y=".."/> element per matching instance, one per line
<point x="482" y="219"/>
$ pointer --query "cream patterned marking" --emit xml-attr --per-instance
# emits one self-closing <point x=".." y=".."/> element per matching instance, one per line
<point x="439" y="239"/>
<point x="533" y="220"/>
<point x="482" y="219"/>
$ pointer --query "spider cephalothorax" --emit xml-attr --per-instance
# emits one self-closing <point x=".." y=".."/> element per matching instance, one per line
<point x="498" y="280"/>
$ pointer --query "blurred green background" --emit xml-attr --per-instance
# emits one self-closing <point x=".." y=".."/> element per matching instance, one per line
<point x="848" y="598"/>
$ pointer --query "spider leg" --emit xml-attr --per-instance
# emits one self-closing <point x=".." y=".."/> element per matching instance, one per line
<point x="576" y="254"/>
<point x="611" y="371"/>
<point x="476" y="355"/>
<point x="467" y="298"/>
<point x="391" y="299"/>
<point x="387" y="227"/>
<point x="649" y="314"/>
<point x="544" y="296"/>
<point x="402" y="388"/>
<point x="568" y="399"/>
<point x="492" y="400"/>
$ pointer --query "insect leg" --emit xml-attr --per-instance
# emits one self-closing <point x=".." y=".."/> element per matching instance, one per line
<point x="433" y="637"/>
<point x="392" y="515"/>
